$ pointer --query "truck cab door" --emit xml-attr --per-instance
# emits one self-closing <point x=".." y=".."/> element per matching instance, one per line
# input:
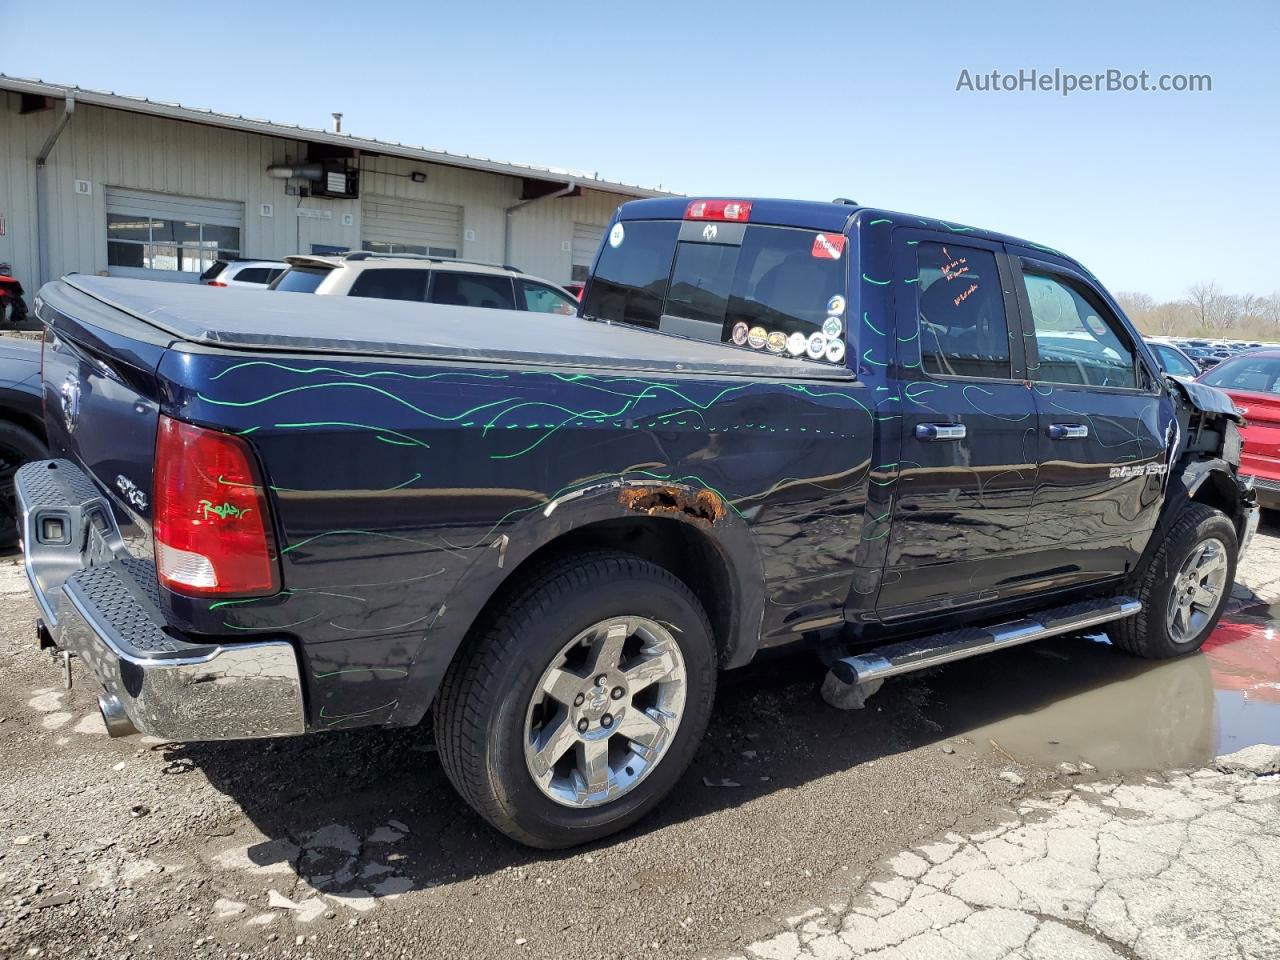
<point x="967" y="475"/>
<point x="1105" y="428"/>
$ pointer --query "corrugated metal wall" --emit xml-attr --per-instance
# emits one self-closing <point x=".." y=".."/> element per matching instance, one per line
<point x="113" y="148"/>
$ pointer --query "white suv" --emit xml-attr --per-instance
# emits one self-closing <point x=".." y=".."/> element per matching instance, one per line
<point x="424" y="279"/>
<point x="243" y="273"/>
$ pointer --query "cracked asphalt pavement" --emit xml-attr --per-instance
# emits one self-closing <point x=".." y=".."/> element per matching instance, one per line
<point x="1027" y="804"/>
<point x="1179" y="866"/>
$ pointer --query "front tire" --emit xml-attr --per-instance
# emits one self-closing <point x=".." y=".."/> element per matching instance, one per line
<point x="575" y="712"/>
<point x="1184" y="588"/>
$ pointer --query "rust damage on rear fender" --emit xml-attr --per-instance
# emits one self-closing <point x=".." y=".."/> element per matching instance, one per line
<point x="702" y="506"/>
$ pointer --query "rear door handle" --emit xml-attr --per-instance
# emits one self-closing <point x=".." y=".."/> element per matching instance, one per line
<point x="935" y="432"/>
<point x="1068" y="431"/>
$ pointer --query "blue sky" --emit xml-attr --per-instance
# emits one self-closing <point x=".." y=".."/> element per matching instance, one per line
<point x="1153" y="191"/>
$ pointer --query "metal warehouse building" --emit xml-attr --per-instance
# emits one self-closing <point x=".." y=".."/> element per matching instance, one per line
<point x="94" y="182"/>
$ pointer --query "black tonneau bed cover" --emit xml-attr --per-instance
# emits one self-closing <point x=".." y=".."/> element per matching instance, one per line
<point x="240" y="319"/>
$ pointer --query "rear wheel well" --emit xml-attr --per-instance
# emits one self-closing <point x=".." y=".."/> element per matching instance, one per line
<point x="674" y="545"/>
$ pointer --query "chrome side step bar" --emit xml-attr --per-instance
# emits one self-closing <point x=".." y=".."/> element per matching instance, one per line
<point x="909" y="655"/>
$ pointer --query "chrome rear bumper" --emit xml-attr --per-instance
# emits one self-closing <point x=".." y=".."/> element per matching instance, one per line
<point x="102" y="605"/>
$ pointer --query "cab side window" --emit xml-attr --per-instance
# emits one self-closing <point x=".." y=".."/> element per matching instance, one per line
<point x="1076" y="341"/>
<point x="963" y="328"/>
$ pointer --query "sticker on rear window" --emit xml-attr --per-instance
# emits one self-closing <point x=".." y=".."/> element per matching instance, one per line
<point x="828" y="246"/>
<point x="835" y="350"/>
<point x="777" y="341"/>
<point x="739" y="334"/>
<point x="832" y="326"/>
<point x="616" y="235"/>
<point x="817" y="346"/>
<point x="756" y="337"/>
<point x="835" y="304"/>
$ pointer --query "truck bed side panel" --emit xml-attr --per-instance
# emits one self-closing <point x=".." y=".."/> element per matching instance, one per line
<point x="364" y="459"/>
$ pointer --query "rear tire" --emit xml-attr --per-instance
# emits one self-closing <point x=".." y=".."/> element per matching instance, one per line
<point x="17" y="446"/>
<point x="1184" y="587"/>
<point x="531" y="738"/>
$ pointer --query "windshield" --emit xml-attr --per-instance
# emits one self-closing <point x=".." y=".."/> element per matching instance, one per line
<point x="756" y="286"/>
<point x="1256" y="374"/>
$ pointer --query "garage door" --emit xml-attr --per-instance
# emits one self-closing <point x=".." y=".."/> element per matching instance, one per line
<point x="411" y="226"/>
<point x="161" y="237"/>
<point x="586" y="241"/>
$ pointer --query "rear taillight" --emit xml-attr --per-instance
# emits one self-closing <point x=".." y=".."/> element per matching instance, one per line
<point x="738" y="211"/>
<point x="215" y="283"/>
<point x="212" y="530"/>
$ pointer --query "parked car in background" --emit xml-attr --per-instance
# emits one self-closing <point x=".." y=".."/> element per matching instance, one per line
<point x="243" y="273"/>
<point x="21" y="424"/>
<point x="1172" y="360"/>
<point x="1252" y="380"/>
<point x="1205" y="357"/>
<point x="463" y="283"/>
<point x="576" y="288"/>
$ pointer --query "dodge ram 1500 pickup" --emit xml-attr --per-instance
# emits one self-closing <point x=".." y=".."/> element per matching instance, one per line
<point x="901" y="440"/>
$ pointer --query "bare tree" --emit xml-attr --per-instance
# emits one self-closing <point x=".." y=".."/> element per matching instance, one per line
<point x="1209" y="304"/>
<point x="1135" y="304"/>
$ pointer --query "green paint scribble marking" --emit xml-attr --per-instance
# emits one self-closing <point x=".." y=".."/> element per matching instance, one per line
<point x="414" y="479"/>
<point x="331" y="719"/>
<point x="398" y="443"/>
<point x="347" y="385"/>
<point x="879" y="519"/>
<point x="241" y="433"/>
<point x="866" y="318"/>
<point x="365" y="533"/>
<point x="223" y="510"/>
<point x="355" y="375"/>
<point x="866" y="356"/>
<point x="956" y="229"/>
<point x="397" y="671"/>
<point x="878" y="283"/>
<point x="881" y="220"/>
<point x="232" y="483"/>
<point x="408" y="441"/>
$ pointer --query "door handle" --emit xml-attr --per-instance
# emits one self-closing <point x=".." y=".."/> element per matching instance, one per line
<point x="1067" y="431"/>
<point x="934" y="432"/>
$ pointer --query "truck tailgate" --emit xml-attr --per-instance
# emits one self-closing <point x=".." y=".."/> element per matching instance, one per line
<point x="102" y="396"/>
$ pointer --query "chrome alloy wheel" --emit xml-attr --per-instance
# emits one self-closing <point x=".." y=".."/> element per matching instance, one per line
<point x="1197" y="590"/>
<point x="605" y="711"/>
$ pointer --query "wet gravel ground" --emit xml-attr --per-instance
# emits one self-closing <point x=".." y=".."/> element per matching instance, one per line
<point x="354" y="845"/>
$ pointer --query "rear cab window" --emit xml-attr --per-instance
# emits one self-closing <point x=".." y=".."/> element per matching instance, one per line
<point x="758" y="286"/>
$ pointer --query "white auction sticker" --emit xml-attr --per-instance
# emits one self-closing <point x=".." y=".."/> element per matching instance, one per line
<point x="617" y="235"/>
<point x="796" y="344"/>
<point x="835" y="350"/>
<point x="832" y="326"/>
<point x="817" y="346"/>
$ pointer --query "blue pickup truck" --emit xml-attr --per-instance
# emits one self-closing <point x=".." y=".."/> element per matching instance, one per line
<point x="900" y="440"/>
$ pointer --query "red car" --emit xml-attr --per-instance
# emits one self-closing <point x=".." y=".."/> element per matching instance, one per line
<point x="1253" y="381"/>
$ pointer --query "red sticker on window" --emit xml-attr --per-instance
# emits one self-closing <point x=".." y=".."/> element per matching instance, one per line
<point x="828" y="246"/>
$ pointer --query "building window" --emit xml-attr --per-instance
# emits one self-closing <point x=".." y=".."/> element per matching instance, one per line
<point x="183" y="246"/>
<point x="413" y="249"/>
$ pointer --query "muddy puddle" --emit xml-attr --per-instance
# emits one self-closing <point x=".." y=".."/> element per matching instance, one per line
<point x="1078" y="698"/>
